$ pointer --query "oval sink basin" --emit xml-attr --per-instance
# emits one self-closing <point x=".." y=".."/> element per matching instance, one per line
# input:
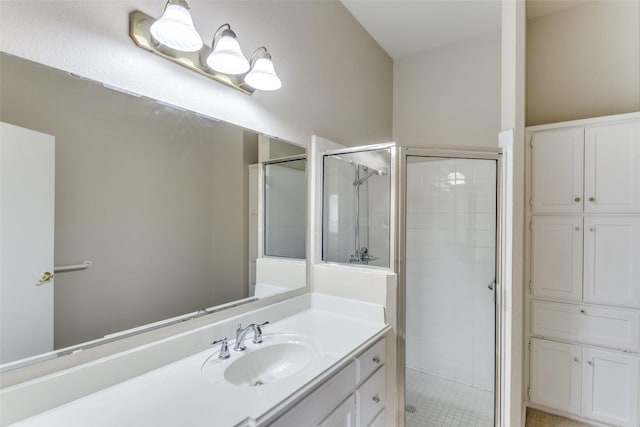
<point x="264" y="365"/>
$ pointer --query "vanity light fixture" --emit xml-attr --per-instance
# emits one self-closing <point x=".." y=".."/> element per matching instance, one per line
<point x="175" y="28"/>
<point x="174" y="37"/>
<point x="226" y="56"/>
<point x="262" y="74"/>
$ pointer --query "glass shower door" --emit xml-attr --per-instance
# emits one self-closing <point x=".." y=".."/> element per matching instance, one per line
<point x="449" y="297"/>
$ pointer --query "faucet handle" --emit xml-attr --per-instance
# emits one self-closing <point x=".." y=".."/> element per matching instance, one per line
<point x="257" y="338"/>
<point x="224" y="348"/>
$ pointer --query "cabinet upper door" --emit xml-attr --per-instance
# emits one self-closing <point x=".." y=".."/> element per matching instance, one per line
<point x="612" y="168"/>
<point x="612" y="260"/>
<point x="556" y="377"/>
<point x="556" y="257"/>
<point x="610" y="385"/>
<point x="557" y="170"/>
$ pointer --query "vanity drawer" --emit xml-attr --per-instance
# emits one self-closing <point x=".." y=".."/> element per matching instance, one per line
<point x="371" y="398"/>
<point x="370" y="360"/>
<point x="607" y="327"/>
<point x="379" y="421"/>
<point x="321" y="402"/>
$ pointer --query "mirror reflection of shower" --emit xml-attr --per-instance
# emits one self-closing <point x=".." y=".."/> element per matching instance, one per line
<point x="356" y="207"/>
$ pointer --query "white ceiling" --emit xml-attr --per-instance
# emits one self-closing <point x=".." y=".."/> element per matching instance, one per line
<point x="405" y="27"/>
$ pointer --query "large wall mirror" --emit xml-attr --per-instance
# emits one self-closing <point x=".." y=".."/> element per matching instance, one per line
<point x="152" y="211"/>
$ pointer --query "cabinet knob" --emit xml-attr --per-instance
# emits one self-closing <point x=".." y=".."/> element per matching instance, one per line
<point x="582" y="311"/>
<point x="577" y="199"/>
<point x="590" y="362"/>
<point x="592" y="199"/>
<point x="577" y="228"/>
<point x="376" y="398"/>
<point x="376" y="359"/>
<point x="575" y="359"/>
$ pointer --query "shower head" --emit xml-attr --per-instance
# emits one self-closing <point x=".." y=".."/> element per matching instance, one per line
<point x="369" y="174"/>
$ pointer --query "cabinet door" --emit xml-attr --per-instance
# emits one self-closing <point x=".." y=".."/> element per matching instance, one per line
<point x="612" y="260"/>
<point x="610" y="387"/>
<point x="555" y="376"/>
<point x="612" y="168"/>
<point x="556" y="257"/>
<point x="557" y="168"/>
<point x="343" y="416"/>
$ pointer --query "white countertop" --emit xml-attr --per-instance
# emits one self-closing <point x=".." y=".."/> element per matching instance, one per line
<point x="179" y="395"/>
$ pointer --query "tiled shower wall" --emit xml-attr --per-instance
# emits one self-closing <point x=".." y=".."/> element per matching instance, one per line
<point x="451" y="228"/>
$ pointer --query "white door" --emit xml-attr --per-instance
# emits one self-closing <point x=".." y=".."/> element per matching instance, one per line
<point x="556" y="372"/>
<point x="556" y="257"/>
<point x="557" y="167"/>
<point x="27" y="165"/>
<point x="612" y="168"/>
<point x="612" y="260"/>
<point x="610" y="387"/>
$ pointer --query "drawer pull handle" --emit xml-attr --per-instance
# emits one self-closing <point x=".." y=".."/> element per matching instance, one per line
<point x="376" y="359"/>
<point x="592" y="199"/>
<point x="376" y="399"/>
<point x="577" y="199"/>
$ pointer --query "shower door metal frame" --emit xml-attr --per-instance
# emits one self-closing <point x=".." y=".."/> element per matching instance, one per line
<point x="401" y="240"/>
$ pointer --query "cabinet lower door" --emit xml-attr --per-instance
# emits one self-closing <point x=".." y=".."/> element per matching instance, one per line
<point x="555" y="379"/>
<point x="610" y="387"/>
<point x="556" y="254"/>
<point x="612" y="260"/>
<point x="343" y="416"/>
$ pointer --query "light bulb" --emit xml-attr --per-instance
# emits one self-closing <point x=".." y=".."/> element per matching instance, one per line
<point x="262" y="75"/>
<point x="175" y="29"/>
<point x="226" y="56"/>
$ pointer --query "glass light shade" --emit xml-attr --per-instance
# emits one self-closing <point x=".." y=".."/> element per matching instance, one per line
<point x="227" y="57"/>
<point x="263" y="75"/>
<point x="175" y="29"/>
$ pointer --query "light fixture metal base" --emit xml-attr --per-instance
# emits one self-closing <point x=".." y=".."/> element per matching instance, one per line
<point x="139" y="24"/>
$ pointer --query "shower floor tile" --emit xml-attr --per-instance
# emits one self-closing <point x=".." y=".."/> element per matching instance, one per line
<point x="440" y="402"/>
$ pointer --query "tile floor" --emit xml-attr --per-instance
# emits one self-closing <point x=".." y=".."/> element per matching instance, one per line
<point x="434" y="401"/>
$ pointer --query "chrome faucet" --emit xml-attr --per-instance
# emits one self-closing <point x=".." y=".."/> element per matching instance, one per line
<point x="241" y="333"/>
<point x="224" y="348"/>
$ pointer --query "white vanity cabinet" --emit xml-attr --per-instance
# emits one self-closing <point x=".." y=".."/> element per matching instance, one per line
<point x="583" y="310"/>
<point x="355" y="396"/>
<point x="592" y="168"/>
<point x="596" y="384"/>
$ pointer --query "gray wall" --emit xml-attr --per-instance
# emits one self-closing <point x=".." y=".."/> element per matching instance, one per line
<point x="156" y="198"/>
<point x="449" y="95"/>
<point x="584" y="62"/>
<point x="337" y="81"/>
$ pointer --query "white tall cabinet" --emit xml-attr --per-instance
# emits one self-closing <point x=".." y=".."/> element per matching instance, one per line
<point x="583" y="310"/>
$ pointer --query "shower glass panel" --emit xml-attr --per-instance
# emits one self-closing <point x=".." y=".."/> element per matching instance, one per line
<point x="285" y="213"/>
<point x="356" y="207"/>
<point x="449" y="291"/>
